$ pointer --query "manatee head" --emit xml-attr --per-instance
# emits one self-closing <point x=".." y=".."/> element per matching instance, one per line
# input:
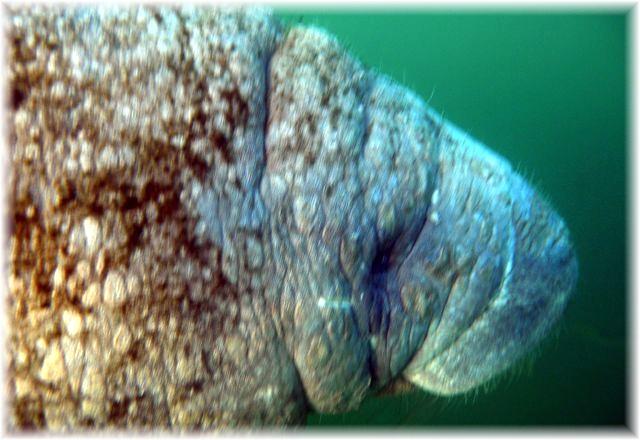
<point x="216" y="222"/>
<point x="418" y="253"/>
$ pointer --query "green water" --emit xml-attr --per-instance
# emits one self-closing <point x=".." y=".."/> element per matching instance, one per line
<point x="549" y="92"/>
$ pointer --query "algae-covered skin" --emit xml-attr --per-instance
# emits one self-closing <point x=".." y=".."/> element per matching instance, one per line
<point x="216" y="221"/>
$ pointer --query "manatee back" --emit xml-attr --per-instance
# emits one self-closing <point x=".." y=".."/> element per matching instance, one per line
<point x="136" y="142"/>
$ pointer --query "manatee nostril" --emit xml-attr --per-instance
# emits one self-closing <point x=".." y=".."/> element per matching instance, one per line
<point x="380" y="265"/>
<point x="399" y="310"/>
<point x="384" y="263"/>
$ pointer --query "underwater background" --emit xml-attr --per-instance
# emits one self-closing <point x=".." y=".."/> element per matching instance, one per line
<point x="548" y="91"/>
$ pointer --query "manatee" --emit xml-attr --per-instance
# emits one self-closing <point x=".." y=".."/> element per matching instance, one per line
<point x="217" y="221"/>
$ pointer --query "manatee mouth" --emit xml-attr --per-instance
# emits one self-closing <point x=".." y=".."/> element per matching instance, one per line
<point x="498" y="264"/>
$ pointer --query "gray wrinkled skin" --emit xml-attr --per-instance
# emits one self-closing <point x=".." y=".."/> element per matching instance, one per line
<point x="215" y="221"/>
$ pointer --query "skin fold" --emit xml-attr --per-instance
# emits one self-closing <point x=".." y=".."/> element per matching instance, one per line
<point x="215" y="221"/>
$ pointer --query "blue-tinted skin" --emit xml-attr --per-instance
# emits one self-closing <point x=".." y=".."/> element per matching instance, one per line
<point x="216" y="222"/>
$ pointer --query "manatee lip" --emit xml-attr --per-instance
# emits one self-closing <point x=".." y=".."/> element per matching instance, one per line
<point x="538" y="275"/>
<point x="506" y="329"/>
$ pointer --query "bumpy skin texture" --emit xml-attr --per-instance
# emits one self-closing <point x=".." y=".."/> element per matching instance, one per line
<point x="216" y="222"/>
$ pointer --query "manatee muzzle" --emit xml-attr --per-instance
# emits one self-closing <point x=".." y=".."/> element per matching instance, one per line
<point x="495" y="263"/>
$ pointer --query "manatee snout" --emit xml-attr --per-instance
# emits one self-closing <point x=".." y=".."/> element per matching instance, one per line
<point x="496" y="262"/>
